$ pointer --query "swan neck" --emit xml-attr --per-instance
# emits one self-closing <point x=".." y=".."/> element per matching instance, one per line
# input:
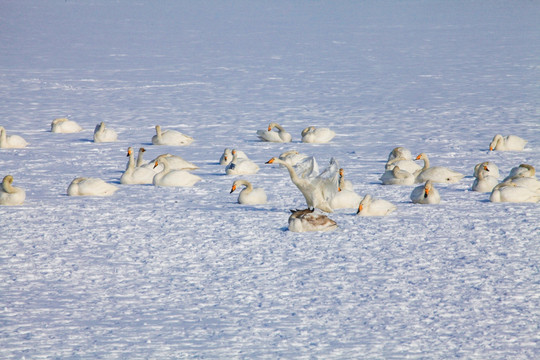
<point x="426" y="162"/>
<point x="139" y="158"/>
<point x="6" y="185"/>
<point x="292" y="173"/>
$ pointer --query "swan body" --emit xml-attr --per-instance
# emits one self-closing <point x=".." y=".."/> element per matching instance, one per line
<point x="103" y="134"/>
<point x="307" y="220"/>
<point x="484" y="182"/>
<point x="487" y="166"/>
<point x="169" y="177"/>
<point x="511" y="192"/>
<point x="9" y="194"/>
<point x="345" y="199"/>
<point x="227" y="156"/>
<point x="425" y="194"/>
<point x="170" y="137"/>
<point x="523" y="170"/>
<point x="11" y="141"/>
<point x="314" y="135"/>
<point x="272" y="136"/>
<point x="396" y="176"/>
<point x="90" y="187"/>
<point x="400" y="152"/>
<point x="530" y="183"/>
<point x="507" y="143"/>
<point x="241" y="166"/>
<point x="438" y="174"/>
<point x="404" y="164"/>
<point x="65" y="126"/>
<point x="374" y="207"/>
<point x="136" y="175"/>
<point x="249" y="195"/>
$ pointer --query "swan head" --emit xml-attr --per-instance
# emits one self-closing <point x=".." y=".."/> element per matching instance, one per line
<point x="421" y="156"/>
<point x="8" y="179"/>
<point x="494" y="142"/>
<point x="308" y="129"/>
<point x="427" y="188"/>
<point x="531" y="169"/>
<point x="156" y="163"/>
<point x="365" y="202"/>
<point x="142" y="149"/>
<point x="130" y="151"/>
<point x="233" y="188"/>
<point x="59" y="120"/>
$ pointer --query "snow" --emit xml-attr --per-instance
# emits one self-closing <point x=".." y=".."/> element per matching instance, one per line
<point x="187" y="272"/>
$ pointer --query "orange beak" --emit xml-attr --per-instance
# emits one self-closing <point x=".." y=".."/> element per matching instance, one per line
<point x="271" y="161"/>
<point x="491" y="148"/>
<point x="485" y="168"/>
<point x="360" y="207"/>
<point x="418" y="157"/>
<point x="233" y="188"/>
<point x="129" y="152"/>
<point x="426" y="191"/>
<point x="225" y="158"/>
<point x="143" y="149"/>
<point x="155" y="164"/>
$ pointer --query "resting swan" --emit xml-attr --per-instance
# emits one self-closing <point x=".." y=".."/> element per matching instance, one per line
<point x="425" y="194"/>
<point x="90" y="187"/>
<point x="227" y="156"/>
<point x="11" y="141"/>
<point x="102" y="134"/>
<point x="523" y="170"/>
<point x="241" y="166"/>
<point x="314" y="135"/>
<point x="306" y="220"/>
<point x="169" y="177"/>
<point x="9" y="194"/>
<point x="249" y="195"/>
<point x="136" y="175"/>
<point x="374" y="207"/>
<point x="487" y="166"/>
<point x="400" y="152"/>
<point x="484" y="182"/>
<point x="345" y="198"/>
<point x="507" y="143"/>
<point x="396" y="176"/>
<point x="511" y="192"/>
<point x="65" y="126"/>
<point x="170" y="137"/>
<point x="272" y="136"/>
<point x="438" y="174"/>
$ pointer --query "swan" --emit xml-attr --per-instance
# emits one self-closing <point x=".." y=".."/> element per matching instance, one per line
<point x="507" y="143"/>
<point x="344" y="184"/>
<point x="306" y="220"/>
<point x="511" y="192"/>
<point x="9" y="194"/>
<point x="313" y="192"/>
<point x="437" y="173"/>
<point x="488" y="166"/>
<point x="227" y="156"/>
<point x="90" y="187"/>
<point x="175" y="163"/>
<point x="523" y="170"/>
<point x="249" y="195"/>
<point x="272" y="136"/>
<point x="374" y="207"/>
<point x="404" y="164"/>
<point x="396" y="176"/>
<point x="102" y="134"/>
<point x="65" y="126"/>
<point x="170" y="137"/>
<point x="400" y="152"/>
<point x="425" y="194"/>
<point x="169" y="177"/>
<point x="136" y="175"/>
<point x="484" y="181"/>
<point x="241" y="166"/>
<point x="311" y="134"/>
<point x="345" y="199"/>
<point x="11" y="141"/>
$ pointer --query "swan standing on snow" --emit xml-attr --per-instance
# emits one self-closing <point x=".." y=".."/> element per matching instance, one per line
<point x="507" y="143"/>
<point x="65" y="126"/>
<point x="272" y="136"/>
<point x="241" y="166"/>
<point x="374" y="207"/>
<point x="512" y="192"/>
<point x="314" y="135"/>
<point x="136" y="175"/>
<point x="484" y="182"/>
<point x="488" y="166"/>
<point x="425" y="194"/>
<point x="90" y="187"/>
<point x="249" y="195"/>
<point x="438" y="174"/>
<point x="9" y="194"/>
<point x="102" y="134"/>
<point x="169" y="177"/>
<point x="306" y="220"/>
<point x="227" y="156"/>
<point x="170" y="137"/>
<point x="11" y="141"/>
<point x="396" y="176"/>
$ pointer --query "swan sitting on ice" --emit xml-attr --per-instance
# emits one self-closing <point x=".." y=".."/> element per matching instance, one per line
<point x="169" y="177"/>
<point x="90" y="187"/>
<point x="374" y="207"/>
<point x="136" y="175"/>
<point x="11" y="141"/>
<point x="512" y="192"/>
<point x="170" y="137"/>
<point x="438" y="174"/>
<point x="9" y="194"/>
<point x="227" y="156"/>
<point x="306" y="220"/>
<point x="507" y="143"/>
<point x="314" y="135"/>
<point x="425" y="194"/>
<point x="249" y="195"/>
<point x="241" y="166"/>
<point x="103" y="134"/>
<point x="484" y="182"/>
<point x="65" y="126"/>
<point x="272" y="136"/>
<point x="396" y="176"/>
<point x="523" y="170"/>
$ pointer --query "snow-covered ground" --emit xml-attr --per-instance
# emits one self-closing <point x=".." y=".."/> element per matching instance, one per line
<point x="166" y="273"/>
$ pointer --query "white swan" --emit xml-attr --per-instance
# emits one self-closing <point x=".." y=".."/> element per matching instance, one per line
<point x="374" y="207"/>
<point x="400" y="152"/>
<point x="272" y="136"/>
<point x="511" y="192"/>
<point x="90" y="187"/>
<point x="11" y="141"/>
<point x="425" y="194"/>
<point x="396" y="176"/>
<point x="170" y="137"/>
<point x="103" y="134"/>
<point x="313" y="192"/>
<point x="227" y="156"/>
<point x="136" y="175"/>
<point x="65" y="126"/>
<point x="487" y="166"/>
<point x="523" y="170"/>
<point x="345" y="199"/>
<point x="484" y="182"/>
<point x="507" y="143"/>
<point x="9" y="194"/>
<point x="169" y="177"/>
<point x="249" y="195"/>
<point x="306" y="220"/>
<point x="404" y="164"/>
<point x="438" y="174"/>
<point x="314" y="135"/>
<point x="241" y="166"/>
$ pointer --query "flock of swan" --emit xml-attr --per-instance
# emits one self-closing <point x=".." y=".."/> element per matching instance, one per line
<point x="326" y="190"/>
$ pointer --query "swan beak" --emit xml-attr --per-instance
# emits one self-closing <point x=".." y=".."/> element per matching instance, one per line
<point x="338" y="189"/>
<point x="225" y="158"/>
<point x="129" y="152"/>
<point x="360" y="207"/>
<point x="491" y="148"/>
<point x="418" y="157"/>
<point x="269" y="128"/>
<point x="233" y="188"/>
<point x="486" y="168"/>
<point x="271" y="161"/>
<point x="155" y="164"/>
<point x="143" y="149"/>
<point x="426" y="192"/>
